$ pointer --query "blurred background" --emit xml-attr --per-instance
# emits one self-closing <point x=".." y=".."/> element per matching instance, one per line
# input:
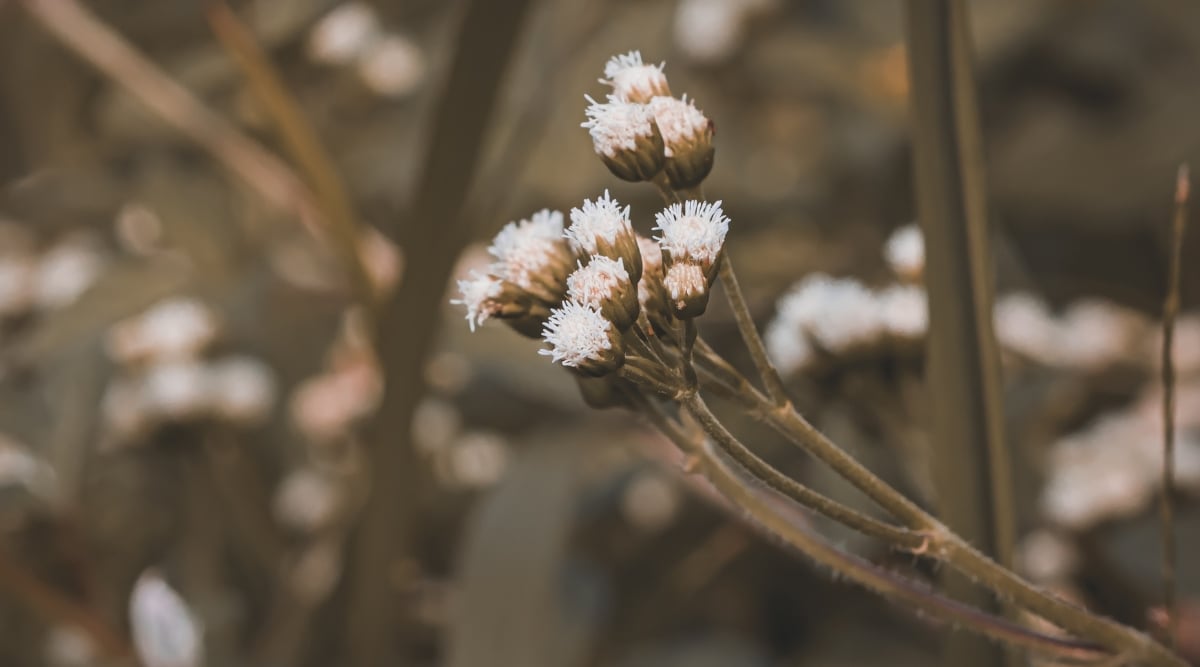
<point x="241" y="424"/>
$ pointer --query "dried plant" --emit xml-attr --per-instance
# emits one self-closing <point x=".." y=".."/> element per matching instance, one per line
<point x="619" y="311"/>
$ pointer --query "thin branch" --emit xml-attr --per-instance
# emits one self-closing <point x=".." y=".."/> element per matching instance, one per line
<point x="899" y="537"/>
<point x="956" y="552"/>
<point x="301" y="140"/>
<point x="1170" y="313"/>
<point x="102" y="47"/>
<point x="764" y="512"/>
<point x="745" y="324"/>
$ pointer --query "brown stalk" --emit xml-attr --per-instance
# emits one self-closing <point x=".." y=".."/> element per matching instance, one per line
<point x="1170" y="313"/>
<point x="971" y="468"/>
<point x="407" y="328"/>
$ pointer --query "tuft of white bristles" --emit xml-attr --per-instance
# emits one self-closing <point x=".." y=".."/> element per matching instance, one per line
<point x="693" y="230"/>
<point x="576" y="333"/>
<point x="523" y="249"/>
<point x="476" y="292"/>
<point x="603" y="218"/>
<point x="597" y="282"/>
<point x="632" y="79"/>
<point x="617" y="125"/>
<point x="679" y="121"/>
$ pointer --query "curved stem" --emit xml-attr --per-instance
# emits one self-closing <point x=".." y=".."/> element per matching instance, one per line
<point x="746" y="495"/>
<point x="954" y="551"/>
<point x="899" y="537"/>
<point x="745" y="324"/>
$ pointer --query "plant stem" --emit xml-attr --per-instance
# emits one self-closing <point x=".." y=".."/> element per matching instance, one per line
<point x="747" y="496"/>
<point x="1170" y="312"/>
<point x="898" y="537"/>
<point x="749" y="332"/>
<point x="956" y="552"/>
<point x="970" y="464"/>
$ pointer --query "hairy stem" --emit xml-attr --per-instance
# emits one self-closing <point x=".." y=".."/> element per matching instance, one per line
<point x="764" y="510"/>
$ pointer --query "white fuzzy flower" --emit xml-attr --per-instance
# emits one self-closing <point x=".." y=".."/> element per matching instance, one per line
<point x="680" y="123"/>
<point x="693" y="230"/>
<point x="618" y="125"/>
<point x="634" y="81"/>
<point x="478" y="291"/>
<point x="838" y="313"/>
<point x="577" y="334"/>
<point x="684" y="280"/>
<point x="176" y="328"/>
<point x="1025" y="325"/>
<point x="524" y="249"/>
<point x="598" y="282"/>
<point x="904" y="310"/>
<point x="601" y="220"/>
<point x="905" y="251"/>
<point x="789" y="348"/>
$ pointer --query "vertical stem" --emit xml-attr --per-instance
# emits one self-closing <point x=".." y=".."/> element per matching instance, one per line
<point x="745" y="324"/>
<point x="1170" y="312"/>
<point x="435" y="233"/>
<point x="971" y="465"/>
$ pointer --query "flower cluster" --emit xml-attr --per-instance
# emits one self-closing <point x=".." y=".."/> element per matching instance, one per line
<point x="596" y="291"/>
<point x="642" y="133"/>
<point x="620" y="281"/>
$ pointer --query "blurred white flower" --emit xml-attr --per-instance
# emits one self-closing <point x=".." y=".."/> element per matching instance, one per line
<point x="306" y="500"/>
<point x="1047" y="556"/>
<point x="1025" y="325"/>
<point x="243" y="389"/>
<point x="476" y="459"/>
<point x="905" y="252"/>
<point x="904" y="310"/>
<point x="435" y="424"/>
<point x="177" y="328"/>
<point x="165" y="631"/>
<point x="650" y="501"/>
<point x="177" y="390"/>
<point x="393" y="66"/>
<point x="67" y="270"/>
<point x="838" y="313"/>
<point x="343" y="34"/>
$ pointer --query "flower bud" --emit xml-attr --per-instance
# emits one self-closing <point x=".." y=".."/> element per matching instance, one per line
<point x="626" y="138"/>
<point x="652" y="295"/>
<point x="583" y="339"/>
<point x="486" y="296"/>
<point x="533" y="255"/>
<point x="687" y="140"/>
<point x="602" y="227"/>
<point x="634" y="81"/>
<point x="605" y="285"/>
<point x="687" y="287"/>
<point x="693" y="232"/>
<point x="601" y="393"/>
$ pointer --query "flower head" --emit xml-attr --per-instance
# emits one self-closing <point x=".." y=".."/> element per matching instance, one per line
<point x="533" y="255"/>
<point x="687" y="140"/>
<point x="905" y="252"/>
<point x="687" y="286"/>
<point x="693" y="231"/>
<point x="634" y="81"/>
<point x="479" y="295"/>
<point x="602" y="227"/>
<point x="605" y="285"/>
<point x="626" y="137"/>
<point x="581" y="338"/>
